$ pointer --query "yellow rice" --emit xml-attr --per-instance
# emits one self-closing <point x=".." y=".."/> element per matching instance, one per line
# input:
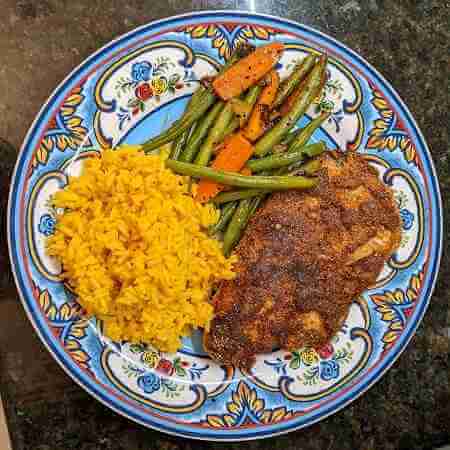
<point x="133" y="245"/>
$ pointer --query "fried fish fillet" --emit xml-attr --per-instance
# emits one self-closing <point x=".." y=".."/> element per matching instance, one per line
<point x="302" y="260"/>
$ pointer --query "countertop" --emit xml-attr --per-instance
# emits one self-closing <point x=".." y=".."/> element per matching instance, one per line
<point x="407" y="40"/>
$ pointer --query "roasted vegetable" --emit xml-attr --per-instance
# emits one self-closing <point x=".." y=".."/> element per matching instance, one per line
<point x="236" y="226"/>
<point x="259" y="118"/>
<point x="278" y="183"/>
<point x="225" y="216"/>
<point x="181" y="125"/>
<point x="215" y="136"/>
<point x="309" y="91"/>
<point x="199" y="133"/>
<point x="250" y="99"/>
<point x="232" y="196"/>
<point x="233" y="154"/>
<point x="247" y="71"/>
<point x="287" y="158"/>
<point x="305" y="133"/>
<point x="298" y="74"/>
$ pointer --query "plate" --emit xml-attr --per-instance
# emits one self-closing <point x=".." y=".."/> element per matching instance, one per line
<point x="132" y="89"/>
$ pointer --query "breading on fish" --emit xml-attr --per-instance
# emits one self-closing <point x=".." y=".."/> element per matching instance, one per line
<point x="302" y="260"/>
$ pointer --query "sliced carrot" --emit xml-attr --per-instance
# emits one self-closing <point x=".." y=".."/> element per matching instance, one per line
<point x="234" y="153"/>
<point x="247" y="71"/>
<point x="257" y="123"/>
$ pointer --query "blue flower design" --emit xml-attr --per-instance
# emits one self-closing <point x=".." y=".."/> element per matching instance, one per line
<point x="47" y="225"/>
<point x="407" y="218"/>
<point x="141" y="71"/>
<point x="329" y="370"/>
<point x="149" y="383"/>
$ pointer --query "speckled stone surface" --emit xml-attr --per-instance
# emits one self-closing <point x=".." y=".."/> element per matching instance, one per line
<point x="407" y="40"/>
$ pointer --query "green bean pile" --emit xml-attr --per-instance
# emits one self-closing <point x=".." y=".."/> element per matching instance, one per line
<point x="282" y="158"/>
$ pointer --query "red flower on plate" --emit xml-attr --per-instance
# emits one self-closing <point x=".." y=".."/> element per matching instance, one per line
<point x="144" y="91"/>
<point x="408" y="311"/>
<point x="52" y="123"/>
<point x="326" y="351"/>
<point x="165" y="366"/>
<point x="179" y="85"/>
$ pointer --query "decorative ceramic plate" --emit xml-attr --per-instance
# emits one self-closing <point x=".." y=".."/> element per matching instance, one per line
<point x="131" y="90"/>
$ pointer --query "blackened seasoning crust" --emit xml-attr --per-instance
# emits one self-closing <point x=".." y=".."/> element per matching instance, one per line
<point x="302" y="260"/>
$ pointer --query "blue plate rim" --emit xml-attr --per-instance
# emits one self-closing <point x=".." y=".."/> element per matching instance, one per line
<point x="177" y="429"/>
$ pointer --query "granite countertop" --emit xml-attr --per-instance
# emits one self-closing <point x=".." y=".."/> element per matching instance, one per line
<point x="407" y="40"/>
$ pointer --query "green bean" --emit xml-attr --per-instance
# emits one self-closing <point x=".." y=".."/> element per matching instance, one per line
<point x="250" y="98"/>
<point x="305" y="134"/>
<point x="199" y="133"/>
<point x="183" y="124"/>
<point x="302" y="135"/>
<point x="255" y="204"/>
<point x="196" y="97"/>
<point x="231" y="196"/>
<point x="299" y="72"/>
<point x="235" y="179"/>
<point x="215" y="135"/>
<point x="232" y="127"/>
<point x="178" y="145"/>
<point x="225" y="216"/>
<point x="311" y="89"/>
<point x="225" y="124"/>
<point x="236" y="226"/>
<point x="252" y="95"/>
<point x="290" y="137"/>
<point x="310" y="167"/>
<point x="244" y="212"/>
<point x="287" y="158"/>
